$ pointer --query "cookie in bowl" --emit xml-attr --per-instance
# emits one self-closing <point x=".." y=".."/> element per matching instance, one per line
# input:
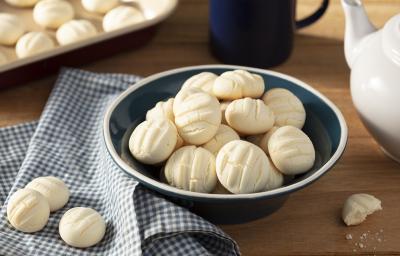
<point x="250" y="192"/>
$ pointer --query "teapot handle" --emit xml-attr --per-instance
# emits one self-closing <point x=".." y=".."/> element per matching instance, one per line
<point x="313" y="17"/>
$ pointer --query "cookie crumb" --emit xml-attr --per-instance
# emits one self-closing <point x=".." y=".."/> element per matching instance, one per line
<point x="367" y="240"/>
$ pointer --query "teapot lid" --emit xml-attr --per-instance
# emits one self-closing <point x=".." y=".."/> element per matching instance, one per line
<point x="391" y="39"/>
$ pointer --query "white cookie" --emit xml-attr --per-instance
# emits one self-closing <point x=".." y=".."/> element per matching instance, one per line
<point x="22" y="3"/>
<point x="287" y="108"/>
<point x="275" y="178"/>
<point x="122" y="16"/>
<point x="224" y="106"/>
<point x="82" y="227"/>
<point x="191" y="168"/>
<point x="242" y="167"/>
<point x="162" y="109"/>
<point x="99" y="6"/>
<point x="291" y="150"/>
<point x="203" y="81"/>
<point x="261" y="140"/>
<point x="53" y="189"/>
<point x="249" y="116"/>
<point x="28" y="210"/>
<point x="238" y="84"/>
<point x="74" y="31"/>
<point x="358" y="206"/>
<point x="197" y="115"/>
<point x="33" y="43"/>
<point x="11" y="27"/>
<point x="224" y="135"/>
<point x="153" y="141"/>
<point x="52" y="13"/>
<point x="179" y="142"/>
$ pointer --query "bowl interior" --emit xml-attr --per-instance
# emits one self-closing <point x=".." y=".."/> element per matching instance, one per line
<point x="322" y="124"/>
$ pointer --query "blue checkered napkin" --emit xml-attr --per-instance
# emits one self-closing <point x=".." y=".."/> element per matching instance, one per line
<point x="67" y="143"/>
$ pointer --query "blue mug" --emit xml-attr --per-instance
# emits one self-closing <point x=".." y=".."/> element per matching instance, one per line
<point x="255" y="33"/>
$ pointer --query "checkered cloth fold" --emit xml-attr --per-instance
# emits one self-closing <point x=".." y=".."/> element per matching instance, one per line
<point x="67" y="143"/>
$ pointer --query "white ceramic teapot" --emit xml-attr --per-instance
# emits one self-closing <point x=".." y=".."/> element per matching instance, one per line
<point x="374" y="58"/>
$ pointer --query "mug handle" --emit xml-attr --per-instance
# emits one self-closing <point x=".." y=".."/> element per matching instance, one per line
<point x="313" y="17"/>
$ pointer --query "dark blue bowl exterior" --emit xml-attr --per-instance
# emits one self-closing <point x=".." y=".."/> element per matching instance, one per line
<point x="322" y="126"/>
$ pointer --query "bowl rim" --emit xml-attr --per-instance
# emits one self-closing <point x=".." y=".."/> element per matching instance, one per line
<point x="205" y="196"/>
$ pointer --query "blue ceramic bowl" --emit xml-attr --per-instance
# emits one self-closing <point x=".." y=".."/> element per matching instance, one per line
<point x="325" y="126"/>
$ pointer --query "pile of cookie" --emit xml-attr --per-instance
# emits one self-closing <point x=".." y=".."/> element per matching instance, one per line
<point x="59" y="15"/>
<point x="29" y="208"/>
<point x="224" y="134"/>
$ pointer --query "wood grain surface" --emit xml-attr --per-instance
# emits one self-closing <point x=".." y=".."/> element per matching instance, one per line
<point x="309" y="223"/>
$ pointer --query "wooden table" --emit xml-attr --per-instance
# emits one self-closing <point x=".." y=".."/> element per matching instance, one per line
<point x="309" y="223"/>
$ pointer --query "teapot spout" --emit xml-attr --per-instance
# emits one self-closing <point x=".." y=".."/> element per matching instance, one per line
<point x="357" y="27"/>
